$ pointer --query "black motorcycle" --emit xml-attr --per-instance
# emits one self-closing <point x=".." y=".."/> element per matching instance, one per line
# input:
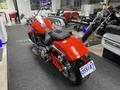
<point x="98" y="25"/>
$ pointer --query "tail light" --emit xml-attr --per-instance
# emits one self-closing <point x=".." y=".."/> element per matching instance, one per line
<point x="85" y="59"/>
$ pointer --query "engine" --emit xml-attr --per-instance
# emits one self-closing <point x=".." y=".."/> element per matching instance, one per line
<point x="42" y="52"/>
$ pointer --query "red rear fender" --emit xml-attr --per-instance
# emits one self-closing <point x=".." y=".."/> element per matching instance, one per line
<point x="72" y="48"/>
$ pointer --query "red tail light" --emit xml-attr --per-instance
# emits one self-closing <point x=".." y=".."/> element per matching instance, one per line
<point x="85" y="59"/>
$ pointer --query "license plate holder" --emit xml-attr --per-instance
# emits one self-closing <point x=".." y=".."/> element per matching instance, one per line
<point x="87" y="69"/>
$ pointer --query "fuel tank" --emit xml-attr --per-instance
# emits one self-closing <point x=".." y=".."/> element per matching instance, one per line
<point x="71" y="47"/>
<point x="41" y="27"/>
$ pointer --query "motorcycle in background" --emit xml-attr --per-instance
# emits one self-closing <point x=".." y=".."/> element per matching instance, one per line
<point x="111" y="40"/>
<point x="98" y="25"/>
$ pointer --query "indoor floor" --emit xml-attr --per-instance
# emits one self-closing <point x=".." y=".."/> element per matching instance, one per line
<point x="27" y="72"/>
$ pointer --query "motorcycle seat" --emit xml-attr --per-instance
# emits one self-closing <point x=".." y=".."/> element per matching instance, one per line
<point x="113" y="29"/>
<point x="87" y="20"/>
<point x="60" y="35"/>
<point x="54" y="35"/>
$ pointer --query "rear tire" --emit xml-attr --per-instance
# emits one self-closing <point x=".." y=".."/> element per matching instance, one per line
<point x="78" y="78"/>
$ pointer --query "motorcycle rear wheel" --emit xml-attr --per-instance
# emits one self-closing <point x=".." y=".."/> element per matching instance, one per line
<point x="75" y="75"/>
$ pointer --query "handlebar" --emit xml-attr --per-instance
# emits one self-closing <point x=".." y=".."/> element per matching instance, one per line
<point x="40" y="7"/>
<point x="93" y="26"/>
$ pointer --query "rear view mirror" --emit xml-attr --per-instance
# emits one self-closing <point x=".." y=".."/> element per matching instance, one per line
<point x="22" y="16"/>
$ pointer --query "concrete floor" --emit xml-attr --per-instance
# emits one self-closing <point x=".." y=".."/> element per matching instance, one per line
<point x="96" y="49"/>
<point x="28" y="72"/>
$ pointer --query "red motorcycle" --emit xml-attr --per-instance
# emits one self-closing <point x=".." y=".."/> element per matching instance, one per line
<point x="67" y="53"/>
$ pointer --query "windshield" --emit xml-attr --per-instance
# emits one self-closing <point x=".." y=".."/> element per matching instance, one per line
<point x="40" y="19"/>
